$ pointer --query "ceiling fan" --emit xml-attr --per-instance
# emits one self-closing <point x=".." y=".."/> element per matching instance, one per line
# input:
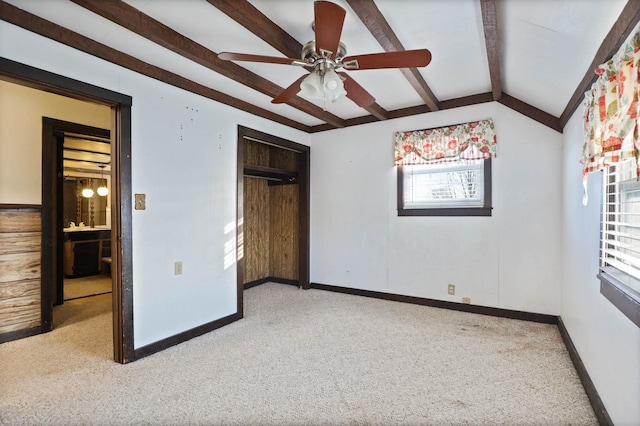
<point x="326" y="54"/>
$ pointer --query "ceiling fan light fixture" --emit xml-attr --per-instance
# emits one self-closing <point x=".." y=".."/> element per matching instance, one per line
<point x="311" y="86"/>
<point x="333" y="86"/>
<point x="326" y="87"/>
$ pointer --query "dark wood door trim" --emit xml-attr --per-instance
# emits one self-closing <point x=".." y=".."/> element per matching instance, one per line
<point x="53" y="131"/>
<point x="240" y="224"/>
<point x="122" y="244"/>
<point x="121" y="202"/>
<point x="245" y="133"/>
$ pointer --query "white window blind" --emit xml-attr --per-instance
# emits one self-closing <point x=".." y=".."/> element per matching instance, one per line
<point x="455" y="185"/>
<point x="620" y="243"/>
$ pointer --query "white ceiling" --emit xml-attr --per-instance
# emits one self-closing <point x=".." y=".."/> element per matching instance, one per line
<point x="545" y="48"/>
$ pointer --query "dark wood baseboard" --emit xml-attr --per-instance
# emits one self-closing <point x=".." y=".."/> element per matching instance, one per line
<point x="205" y="328"/>
<point x="589" y="387"/>
<point x="596" y="403"/>
<point x="183" y="337"/>
<point x="255" y="283"/>
<point x="475" y="309"/>
<point x="21" y="334"/>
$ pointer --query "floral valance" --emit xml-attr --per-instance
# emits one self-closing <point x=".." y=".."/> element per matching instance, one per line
<point x="612" y="111"/>
<point x="469" y="141"/>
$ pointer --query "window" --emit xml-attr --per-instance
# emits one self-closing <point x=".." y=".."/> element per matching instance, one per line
<point x="461" y="188"/>
<point x="620" y="238"/>
<point x="445" y="171"/>
<point x="611" y="144"/>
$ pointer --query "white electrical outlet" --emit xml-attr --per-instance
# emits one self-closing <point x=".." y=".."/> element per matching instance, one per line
<point x="451" y="289"/>
<point x="178" y="268"/>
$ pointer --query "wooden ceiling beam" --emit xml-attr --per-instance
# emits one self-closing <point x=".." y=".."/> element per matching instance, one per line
<point x="247" y="15"/>
<point x="531" y="112"/>
<point x="626" y="22"/>
<point x="372" y="18"/>
<point x="492" y="43"/>
<point x="480" y="98"/>
<point x="490" y="25"/>
<point x="134" y="20"/>
<point x="35" y="24"/>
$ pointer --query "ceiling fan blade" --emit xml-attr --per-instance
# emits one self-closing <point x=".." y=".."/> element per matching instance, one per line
<point x="329" y="19"/>
<point x="404" y="59"/>
<point x="289" y="92"/>
<point x="355" y="92"/>
<point x="230" y="56"/>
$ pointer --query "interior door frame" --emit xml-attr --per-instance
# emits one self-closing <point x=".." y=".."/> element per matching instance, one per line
<point x="245" y="133"/>
<point x="53" y="131"/>
<point x="121" y="211"/>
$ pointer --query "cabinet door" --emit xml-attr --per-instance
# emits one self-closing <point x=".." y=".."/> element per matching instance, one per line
<point x="86" y="258"/>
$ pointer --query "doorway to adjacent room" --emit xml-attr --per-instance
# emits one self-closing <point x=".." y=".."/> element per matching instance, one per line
<point x="50" y="265"/>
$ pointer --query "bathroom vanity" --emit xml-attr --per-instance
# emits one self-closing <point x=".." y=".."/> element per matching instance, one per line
<point x="84" y="247"/>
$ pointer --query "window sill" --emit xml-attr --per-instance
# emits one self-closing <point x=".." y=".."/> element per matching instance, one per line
<point x="483" y="211"/>
<point x="621" y="296"/>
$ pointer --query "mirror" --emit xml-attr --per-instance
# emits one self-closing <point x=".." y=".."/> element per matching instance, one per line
<point x="92" y="211"/>
<point x="86" y="165"/>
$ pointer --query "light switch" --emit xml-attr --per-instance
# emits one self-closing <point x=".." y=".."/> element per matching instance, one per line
<point x="140" y="202"/>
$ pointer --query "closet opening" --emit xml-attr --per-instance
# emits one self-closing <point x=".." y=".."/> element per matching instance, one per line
<point x="273" y="210"/>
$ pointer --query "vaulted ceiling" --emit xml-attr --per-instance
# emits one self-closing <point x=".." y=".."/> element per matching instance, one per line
<point x="534" y="56"/>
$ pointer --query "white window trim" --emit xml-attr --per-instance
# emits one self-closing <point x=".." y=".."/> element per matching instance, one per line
<point x="619" y="279"/>
<point x="443" y="208"/>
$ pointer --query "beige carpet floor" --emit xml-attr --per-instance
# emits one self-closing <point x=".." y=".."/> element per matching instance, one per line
<point x="299" y="357"/>
<point x="75" y="288"/>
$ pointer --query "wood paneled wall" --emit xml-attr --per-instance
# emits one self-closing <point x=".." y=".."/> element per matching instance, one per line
<point x="20" y="258"/>
<point x="283" y="222"/>
<point x="271" y="225"/>
<point x="256" y="216"/>
<point x="256" y="229"/>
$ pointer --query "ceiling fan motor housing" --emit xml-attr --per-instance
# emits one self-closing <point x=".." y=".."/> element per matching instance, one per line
<point x="311" y="56"/>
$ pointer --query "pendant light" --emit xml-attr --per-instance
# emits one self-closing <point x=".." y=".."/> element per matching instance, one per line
<point x="102" y="189"/>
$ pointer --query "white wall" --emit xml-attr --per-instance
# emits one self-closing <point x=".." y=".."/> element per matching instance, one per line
<point x="607" y="341"/>
<point x="184" y="160"/>
<point x="510" y="260"/>
<point x="21" y="112"/>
